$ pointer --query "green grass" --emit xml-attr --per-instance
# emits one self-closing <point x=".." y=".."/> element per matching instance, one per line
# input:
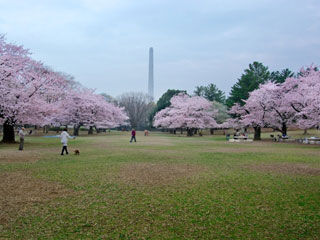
<point x="166" y="187"/>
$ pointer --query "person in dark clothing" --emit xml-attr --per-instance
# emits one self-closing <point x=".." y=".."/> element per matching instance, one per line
<point x="133" y="135"/>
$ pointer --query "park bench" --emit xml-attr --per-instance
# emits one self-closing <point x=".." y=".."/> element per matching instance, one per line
<point x="311" y="140"/>
<point x="285" y="139"/>
<point x="280" y="138"/>
<point x="240" y="139"/>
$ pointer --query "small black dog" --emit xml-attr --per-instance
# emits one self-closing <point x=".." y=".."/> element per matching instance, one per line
<point x="76" y="152"/>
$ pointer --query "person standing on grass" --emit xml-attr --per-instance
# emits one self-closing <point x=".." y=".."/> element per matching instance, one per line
<point x="64" y="140"/>
<point x="133" y="135"/>
<point x="21" y="135"/>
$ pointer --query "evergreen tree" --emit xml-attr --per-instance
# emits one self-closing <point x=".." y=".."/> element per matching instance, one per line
<point x="256" y="74"/>
<point x="280" y="77"/>
<point x="211" y="93"/>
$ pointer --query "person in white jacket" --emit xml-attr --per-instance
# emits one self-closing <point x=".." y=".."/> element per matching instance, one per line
<point x="64" y="140"/>
<point x="21" y="135"/>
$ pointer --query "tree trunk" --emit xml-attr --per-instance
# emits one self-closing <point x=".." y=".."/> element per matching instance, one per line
<point x="284" y="129"/>
<point x="195" y="131"/>
<point x="305" y="132"/>
<point x="45" y="129"/>
<point x="174" y="131"/>
<point x="257" y="133"/>
<point x="90" y="130"/>
<point x="8" y="133"/>
<point x="76" y="130"/>
<point x="190" y="132"/>
<point x="97" y="129"/>
<point x="181" y="130"/>
<point x="211" y="131"/>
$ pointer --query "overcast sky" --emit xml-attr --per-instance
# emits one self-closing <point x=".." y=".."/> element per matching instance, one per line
<point x="104" y="44"/>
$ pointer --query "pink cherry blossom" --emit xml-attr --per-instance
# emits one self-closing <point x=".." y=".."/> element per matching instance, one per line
<point x="31" y="93"/>
<point x="186" y="112"/>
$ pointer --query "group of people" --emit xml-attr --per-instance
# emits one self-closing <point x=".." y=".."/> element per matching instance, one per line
<point x="64" y="136"/>
<point x="133" y="134"/>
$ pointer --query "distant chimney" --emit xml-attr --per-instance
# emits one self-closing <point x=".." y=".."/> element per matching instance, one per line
<point x="150" y="81"/>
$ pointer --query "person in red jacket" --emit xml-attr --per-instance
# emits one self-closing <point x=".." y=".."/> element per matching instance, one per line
<point x="133" y="135"/>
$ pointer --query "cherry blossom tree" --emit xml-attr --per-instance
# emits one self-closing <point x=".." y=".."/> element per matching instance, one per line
<point x="279" y="113"/>
<point x="302" y="94"/>
<point x="27" y="89"/>
<point x="31" y="93"/>
<point x="265" y="107"/>
<point x="186" y="113"/>
<point x="268" y="107"/>
<point x="294" y="102"/>
<point x="85" y="108"/>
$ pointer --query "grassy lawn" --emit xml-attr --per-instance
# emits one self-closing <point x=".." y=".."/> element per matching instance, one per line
<point x="162" y="187"/>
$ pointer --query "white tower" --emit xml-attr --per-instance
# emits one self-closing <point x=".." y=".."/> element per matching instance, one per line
<point x="150" y="82"/>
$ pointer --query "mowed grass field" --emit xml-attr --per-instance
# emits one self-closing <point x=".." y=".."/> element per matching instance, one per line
<point x="162" y="187"/>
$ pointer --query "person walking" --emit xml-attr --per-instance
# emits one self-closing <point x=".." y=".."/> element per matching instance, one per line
<point x="133" y="135"/>
<point x="64" y="140"/>
<point x="21" y="135"/>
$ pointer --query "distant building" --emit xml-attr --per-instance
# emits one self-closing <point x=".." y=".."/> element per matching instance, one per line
<point x="150" y="80"/>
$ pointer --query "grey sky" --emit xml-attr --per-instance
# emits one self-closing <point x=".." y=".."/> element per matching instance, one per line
<point x="105" y="44"/>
